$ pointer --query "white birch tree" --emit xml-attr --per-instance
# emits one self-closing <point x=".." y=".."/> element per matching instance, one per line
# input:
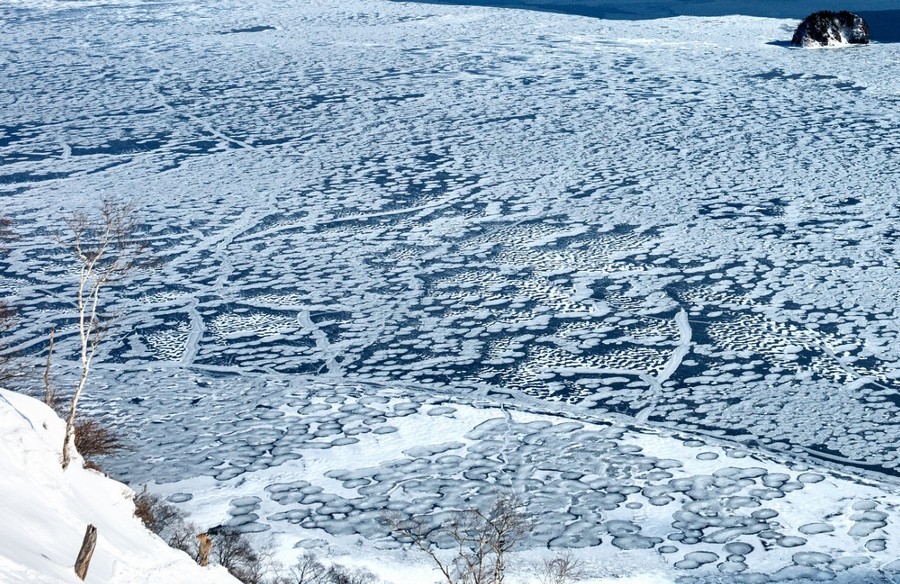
<point x="105" y="249"/>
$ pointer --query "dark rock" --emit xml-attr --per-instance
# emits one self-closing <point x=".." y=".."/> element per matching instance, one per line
<point x="828" y="28"/>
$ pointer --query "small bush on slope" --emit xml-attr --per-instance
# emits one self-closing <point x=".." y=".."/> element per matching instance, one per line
<point x="166" y="521"/>
<point x="94" y="439"/>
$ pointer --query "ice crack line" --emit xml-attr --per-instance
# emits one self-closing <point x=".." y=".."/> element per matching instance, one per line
<point x="684" y="345"/>
<point x="672" y="365"/>
<point x="154" y="87"/>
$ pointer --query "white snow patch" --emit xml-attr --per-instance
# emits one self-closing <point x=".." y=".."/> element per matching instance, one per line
<point x="45" y="511"/>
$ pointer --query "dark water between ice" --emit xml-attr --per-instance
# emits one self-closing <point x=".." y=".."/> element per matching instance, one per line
<point x="882" y="17"/>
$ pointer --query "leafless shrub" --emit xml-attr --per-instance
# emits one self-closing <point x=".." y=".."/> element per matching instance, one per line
<point x="307" y="570"/>
<point x="480" y="540"/>
<point x="338" y="574"/>
<point x="166" y="521"/>
<point x="7" y="315"/>
<point x="233" y="551"/>
<point x="564" y="568"/>
<point x="7" y="318"/>
<point x="94" y="439"/>
<point x="6" y="234"/>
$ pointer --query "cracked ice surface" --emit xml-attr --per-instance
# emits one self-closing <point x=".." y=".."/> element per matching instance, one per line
<point x="449" y="197"/>
<point x="315" y="465"/>
<point x="676" y="222"/>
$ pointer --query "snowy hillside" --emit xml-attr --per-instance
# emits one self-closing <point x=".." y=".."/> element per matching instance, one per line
<point x="44" y="512"/>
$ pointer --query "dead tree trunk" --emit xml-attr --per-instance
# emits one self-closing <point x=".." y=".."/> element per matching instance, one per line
<point x="87" y="551"/>
<point x="49" y="398"/>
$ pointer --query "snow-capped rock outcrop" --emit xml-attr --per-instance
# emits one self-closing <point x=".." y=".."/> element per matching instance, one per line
<point x="44" y="512"/>
<point x="830" y="29"/>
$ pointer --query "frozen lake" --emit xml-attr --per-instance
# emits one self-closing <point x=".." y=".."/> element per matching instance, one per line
<point x="680" y="224"/>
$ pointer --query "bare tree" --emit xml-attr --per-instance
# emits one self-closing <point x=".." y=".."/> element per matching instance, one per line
<point x="338" y="574"/>
<point x="563" y="568"/>
<point x="105" y="249"/>
<point x="234" y="551"/>
<point x="166" y="521"/>
<point x="49" y="394"/>
<point x="6" y="313"/>
<point x="7" y="317"/>
<point x="307" y="570"/>
<point x="480" y="540"/>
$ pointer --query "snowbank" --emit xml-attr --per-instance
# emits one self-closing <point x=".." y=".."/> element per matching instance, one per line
<point x="44" y="512"/>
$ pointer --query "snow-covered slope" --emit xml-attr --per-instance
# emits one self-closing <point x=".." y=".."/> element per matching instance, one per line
<point x="44" y="512"/>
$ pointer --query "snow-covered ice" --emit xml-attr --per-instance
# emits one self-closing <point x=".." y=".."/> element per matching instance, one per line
<point x="679" y="223"/>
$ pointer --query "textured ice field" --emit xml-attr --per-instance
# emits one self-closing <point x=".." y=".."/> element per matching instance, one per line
<point x="681" y="221"/>
<point x="313" y="466"/>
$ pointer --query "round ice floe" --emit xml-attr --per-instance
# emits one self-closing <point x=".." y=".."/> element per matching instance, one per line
<point x="811" y="558"/>
<point x="681" y="485"/>
<point x="775" y="480"/>
<point x="384" y="430"/>
<point x="617" y="527"/>
<point x="702" y="557"/>
<point x="665" y="463"/>
<point x="611" y="501"/>
<point x="337" y="527"/>
<point x="876" y="545"/>
<point x="864" y="505"/>
<point x="357" y="430"/>
<point x="869" y="516"/>
<point x="738" y="502"/>
<point x="667" y="549"/>
<point x="811" y="477"/>
<point x="229" y="473"/>
<point x="651" y="491"/>
<point x="766" y="494"/>
<point x="246" y="502"/>
<point x="865" y="528"/>
<point x="239" y="520"/>
<point x="790" y="541"/>
<point x="441" y="411"/>
<point x="707" y="456"/>
<point x="723" y="535"/>
<point x="658" y="475"/>
<point x="815" y="528"/>
<point x="802" y="573"/>
<point x="293" y="516"/>
<point x="694" y="560"/>
<point x="764" y="514"/>
<point x="848" y="562"/>
<point x="344" y="441"/>
<point x="738" y="548"/>
<point x="635" y="542"/>
<point x="179" y="497"/>
<point x="732" y="567"/>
